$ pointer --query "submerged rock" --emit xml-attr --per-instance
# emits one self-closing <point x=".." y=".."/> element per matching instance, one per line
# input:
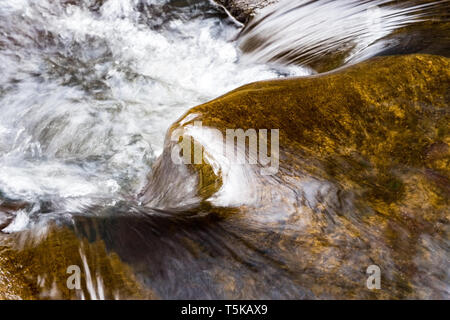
<point x="325" y="35"/>
<point x="363" y="177"/>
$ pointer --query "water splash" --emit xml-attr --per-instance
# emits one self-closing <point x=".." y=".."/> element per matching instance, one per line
<point x="331" y="33"/>
<point x="89" y="88"/>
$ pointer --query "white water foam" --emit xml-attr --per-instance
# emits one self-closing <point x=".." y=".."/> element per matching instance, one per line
<point x="86" y="96"/>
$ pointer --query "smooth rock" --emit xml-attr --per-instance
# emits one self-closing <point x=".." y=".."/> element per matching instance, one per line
<point x="243" y="10"/>
<point x="363" y="179"/>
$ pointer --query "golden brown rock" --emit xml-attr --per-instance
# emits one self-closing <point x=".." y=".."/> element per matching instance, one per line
<point x="363" y="179"/>
<point x="33" y="268"/>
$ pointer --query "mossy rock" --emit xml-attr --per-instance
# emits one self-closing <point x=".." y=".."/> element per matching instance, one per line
<point x="363" y="179"/>
<point x="34" y="264"/>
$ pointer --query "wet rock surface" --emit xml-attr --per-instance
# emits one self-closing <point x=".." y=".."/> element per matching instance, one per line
<point x="363" y="180"/>
<point x="361" y="177"/>
<point x="35" y="266"/>
<point x="243" y="10"/>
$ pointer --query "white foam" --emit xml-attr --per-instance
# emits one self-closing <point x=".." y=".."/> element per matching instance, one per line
<point x="303" y="31"/>
<point x="95" y="118"/>
<point x="20" y="222"/>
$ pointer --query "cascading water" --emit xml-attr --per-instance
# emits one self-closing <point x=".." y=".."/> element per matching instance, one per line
<point x="327" y="34"/>
<point x="88" y="90"/>
<point x="91" y="90"/>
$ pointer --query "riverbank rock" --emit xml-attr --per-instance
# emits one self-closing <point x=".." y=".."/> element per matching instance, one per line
<point x="243" y="10"/>
<point x="363" y="178"/>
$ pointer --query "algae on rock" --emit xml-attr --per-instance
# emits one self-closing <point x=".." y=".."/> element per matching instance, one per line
<point x="364" y="175"/>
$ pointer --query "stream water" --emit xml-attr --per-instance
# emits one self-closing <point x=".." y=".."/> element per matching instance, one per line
<point x="88" y="90"/>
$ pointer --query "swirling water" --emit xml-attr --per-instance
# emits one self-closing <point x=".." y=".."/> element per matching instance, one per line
<point x="87" y="93"/>
<point x="327" y="34"/>
<point x="88" y="89"/>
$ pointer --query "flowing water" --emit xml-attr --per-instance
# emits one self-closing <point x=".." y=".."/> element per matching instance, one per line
<point x="88" y="90"/>
<point x="328" y="34"/>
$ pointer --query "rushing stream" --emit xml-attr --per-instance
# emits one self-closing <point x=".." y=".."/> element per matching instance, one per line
<point x="88" y="92"/>
<point x="327" y="34"/>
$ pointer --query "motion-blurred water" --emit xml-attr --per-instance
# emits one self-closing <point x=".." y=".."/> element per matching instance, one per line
<point x="88" y="89"/>
<point x="327" y="34"/>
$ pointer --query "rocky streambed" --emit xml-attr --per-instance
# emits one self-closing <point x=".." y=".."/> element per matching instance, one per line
<point x="353" y="173"/>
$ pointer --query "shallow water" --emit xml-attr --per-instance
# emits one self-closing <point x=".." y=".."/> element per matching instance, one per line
<point x="328" y="34"/>
<point x="362" y="181"/>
